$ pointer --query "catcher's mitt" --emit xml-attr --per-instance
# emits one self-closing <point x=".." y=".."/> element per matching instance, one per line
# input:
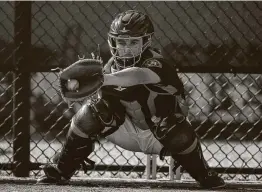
<point x="81" y="80"/>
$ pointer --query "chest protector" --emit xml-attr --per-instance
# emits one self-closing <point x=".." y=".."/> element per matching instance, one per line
<point x="142" y="102"/>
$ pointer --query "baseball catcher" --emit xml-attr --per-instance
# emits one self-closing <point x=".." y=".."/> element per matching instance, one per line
<point x="133" y="101"/>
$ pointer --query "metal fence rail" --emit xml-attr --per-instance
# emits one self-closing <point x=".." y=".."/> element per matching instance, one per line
<point x="216" y="47"/>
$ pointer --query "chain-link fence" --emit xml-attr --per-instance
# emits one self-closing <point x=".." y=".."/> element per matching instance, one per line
<point x="215" y="45"/>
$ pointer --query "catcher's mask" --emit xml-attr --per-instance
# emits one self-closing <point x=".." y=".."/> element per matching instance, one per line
<point x="129" y="36"/>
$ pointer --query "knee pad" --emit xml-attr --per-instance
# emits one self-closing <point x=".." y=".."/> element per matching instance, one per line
<point x="92" y="119"/>
<point x="176" y="134"/>
<point x="107" y="114"/>
<point x="84" y="121"/>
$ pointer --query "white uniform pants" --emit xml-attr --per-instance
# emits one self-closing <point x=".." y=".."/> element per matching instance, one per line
<point x="132" y="138"/>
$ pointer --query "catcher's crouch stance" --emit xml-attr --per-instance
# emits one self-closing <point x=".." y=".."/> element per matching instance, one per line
<point x="138" y="109"/>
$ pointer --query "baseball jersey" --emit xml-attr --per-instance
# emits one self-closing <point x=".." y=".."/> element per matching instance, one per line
<point x="144" y="101"/>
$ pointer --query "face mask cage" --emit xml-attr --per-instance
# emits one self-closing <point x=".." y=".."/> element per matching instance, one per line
<point x="134" y="53"/>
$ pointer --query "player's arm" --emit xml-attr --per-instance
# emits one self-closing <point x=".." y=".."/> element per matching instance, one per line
<point x="131" y="76"/>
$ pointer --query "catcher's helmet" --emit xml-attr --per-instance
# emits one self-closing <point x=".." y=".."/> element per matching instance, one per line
<point x="131" y="26"/>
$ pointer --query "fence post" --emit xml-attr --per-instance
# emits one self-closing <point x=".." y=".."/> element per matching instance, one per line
<point x="21" y="90"/>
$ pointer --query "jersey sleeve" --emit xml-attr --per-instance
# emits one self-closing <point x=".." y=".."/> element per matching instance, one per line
<point x="170" y="81"/>
<point x="156" y="66"/>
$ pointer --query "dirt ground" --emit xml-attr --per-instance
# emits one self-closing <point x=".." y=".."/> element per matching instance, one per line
<point x="54" y="188"/>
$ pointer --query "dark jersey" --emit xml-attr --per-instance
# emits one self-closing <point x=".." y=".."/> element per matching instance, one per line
<point x="142" y="102"/>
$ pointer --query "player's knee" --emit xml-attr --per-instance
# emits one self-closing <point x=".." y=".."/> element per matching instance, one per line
<point x="183" y="138"/>
<point x="85" y="122"/>
<point x="91" y="120"/>
<point x="180" y="138"/>
<point x="108" y="115"/>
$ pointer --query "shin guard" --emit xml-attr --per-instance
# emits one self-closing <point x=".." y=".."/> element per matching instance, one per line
<point x="74" y="153"/>
<point x="179" y="138"/>
<point x="193" y="161"/>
